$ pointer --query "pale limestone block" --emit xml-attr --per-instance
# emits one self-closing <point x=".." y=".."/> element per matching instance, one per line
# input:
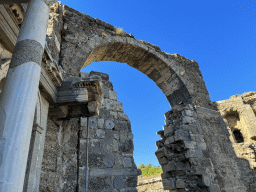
<point x="113" y="105"/>
<point x="202" y="146"/>
<point x="190" y="144"/>
<point x="113" y="114"/>
<point x="66" y="137"/>
<point x="101" y="123"/>
<point x="112" y="95"/>
<point x="189" y="113"/>
<point x="93" y="106"/>
<point x="100" y="133"/>
<point x="123" y="116"/>
<point x="130" y="136"/>
<point x="116" y="135"/>
<point x="83" y="121"/>
<point x="188" y="120"/>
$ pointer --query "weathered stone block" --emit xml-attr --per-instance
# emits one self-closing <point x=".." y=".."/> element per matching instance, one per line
<point x="189" y="113"/>
<point x="131" y="181"/>
<point x="83" y="121"/>
<point x="109" y="124"/>
<point x="161" y="153"/>
<point x="109" y="160"/>
<point x="169" y="183"/>
<point x="121" y="125"/>
<point x="113" y="114"/>
<point x="116" y="135"/>
<point x="93" y="122"/>
<point x="162" y="160"/>
<point x="118" y="182"/>
<point x="101" y="123"/>
<point x="103" y="113"/>
<point x="197" y="137"/>
<point x="194" y="154"/>
<point x="170" y="166"/>
<point x="100" y="133"/>
<point x="165" y="175"/>
<point x="96" y="183"/>
<point x="84" y="133"/>
<point x="109" y="145"/>
<point x="130" y="136"/>
<point x="169" y="141"/>
<point x="181" y="136"/>
<point x="112" y="105"/>
<point x="206" y="181"/>
<point x="190" y="144"/>
<point x="179" y="166"/>
<point x="126" y="146"/>
<point x="168" y="130"/>
<point x="127" y="162"/>
<point x="201" y="145"/>
<point x="214" y="188"/>
<point x="112" y="95"/>
<point x="180" y="184"/>
<point x="93" y="107"/>
<point x="122" y="116"/>
<point x="188" y="120"/>
<point x="159" y="144"/>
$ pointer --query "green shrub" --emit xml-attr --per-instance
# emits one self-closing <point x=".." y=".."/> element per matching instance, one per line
<point x="151" y="171"/>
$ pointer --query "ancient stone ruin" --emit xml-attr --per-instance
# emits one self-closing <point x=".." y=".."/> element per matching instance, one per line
<point x="63" y="130"/>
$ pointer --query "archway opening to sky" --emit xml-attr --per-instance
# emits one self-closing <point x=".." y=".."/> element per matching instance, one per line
<point x="143" y="102"/>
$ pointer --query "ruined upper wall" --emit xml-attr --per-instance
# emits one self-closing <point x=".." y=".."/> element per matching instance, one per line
<point x="238" y="113"/>
<point x="85" y="39"/>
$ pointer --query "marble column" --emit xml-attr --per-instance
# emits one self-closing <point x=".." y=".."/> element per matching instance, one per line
<point x="19" y="95"/>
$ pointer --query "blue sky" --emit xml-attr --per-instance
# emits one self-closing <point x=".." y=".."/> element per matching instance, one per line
<point x="219" y="35"/>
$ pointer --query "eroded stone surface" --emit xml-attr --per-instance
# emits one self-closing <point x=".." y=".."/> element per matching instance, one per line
<point x="239" y="115"/>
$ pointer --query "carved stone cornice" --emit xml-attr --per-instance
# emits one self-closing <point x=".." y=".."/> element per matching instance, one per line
<point x="78" y="97"/>
<point x="52" y="68"/>
<point x="17" y="12"/>
<point x="9" y="29"/>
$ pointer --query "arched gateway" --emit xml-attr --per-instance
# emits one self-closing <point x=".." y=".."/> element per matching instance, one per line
<point x="194" y="151"/>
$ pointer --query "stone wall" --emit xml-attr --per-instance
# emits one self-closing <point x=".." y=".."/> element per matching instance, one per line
<point x="111" y="163"/>
<point x="239" y="115"/>
<point x="196" y="153"/>
<point x="59" y="166"/>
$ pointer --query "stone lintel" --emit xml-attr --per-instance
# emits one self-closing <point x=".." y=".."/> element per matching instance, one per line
<point x="113" y="172"/>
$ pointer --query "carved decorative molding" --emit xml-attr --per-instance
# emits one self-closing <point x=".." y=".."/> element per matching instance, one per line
<point x="17" y="13"/>
<point x="78" y="97"/>
<point x="52" y="68"/>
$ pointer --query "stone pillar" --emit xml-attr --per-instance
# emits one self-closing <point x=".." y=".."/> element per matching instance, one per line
<point x="36" y="149"/>
<point x="19" y="95"/>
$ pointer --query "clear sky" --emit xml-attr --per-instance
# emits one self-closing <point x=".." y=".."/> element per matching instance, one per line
<point x="219" y="35"/>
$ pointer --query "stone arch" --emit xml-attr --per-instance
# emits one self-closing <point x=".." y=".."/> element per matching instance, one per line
<point x="86" y="39"/>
